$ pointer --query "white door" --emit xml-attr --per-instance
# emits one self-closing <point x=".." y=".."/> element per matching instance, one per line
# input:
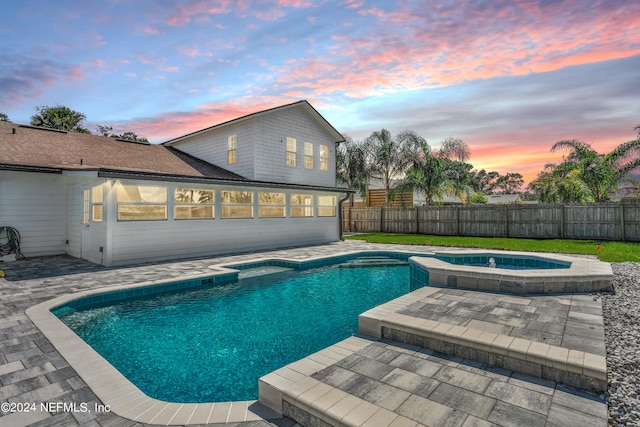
<point x="85" y="241"/>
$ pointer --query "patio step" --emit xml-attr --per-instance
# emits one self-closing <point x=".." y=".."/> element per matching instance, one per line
<point x="573" y="367"/>
<point x="392" y="384"/>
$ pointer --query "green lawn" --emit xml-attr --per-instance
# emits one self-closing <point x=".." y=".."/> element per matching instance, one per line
<point x="609" y="251"/>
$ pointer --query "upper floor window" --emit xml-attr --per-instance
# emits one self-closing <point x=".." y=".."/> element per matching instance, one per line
<point x="237" y="204"/>
<point x="308" y="155"/>
<point x="301" y="205"/>
<point x="270" y="205"/>
<point x="324" y="158"/>
<point x="291" y="151"/>
<point x="231" y="149"/>
<point x="326" y="205"/>
<point x="141" y="202"/>
<point x="193" y="203"/>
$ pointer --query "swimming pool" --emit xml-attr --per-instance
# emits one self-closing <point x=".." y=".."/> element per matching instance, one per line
<point x="214" y="342"/>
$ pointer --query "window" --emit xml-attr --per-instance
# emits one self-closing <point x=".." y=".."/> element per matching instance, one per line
<point x="193" y="203"/>
<point x="301" y="205"/>
<point x="324" y="158"/>
<point x="308" y="155"/>
<point x="97" y="203"/>
<point x="140" y="203"/>
<point x="231" y="149"/>
<point x="85" y="206"/>
<point x="271" y="205"/>
<point x="291" y="151"/>
<point x="237" y="204"/>
<point x="326" y="205"/>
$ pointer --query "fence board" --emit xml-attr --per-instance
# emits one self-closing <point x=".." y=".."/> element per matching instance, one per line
<point x="603" y="221"/>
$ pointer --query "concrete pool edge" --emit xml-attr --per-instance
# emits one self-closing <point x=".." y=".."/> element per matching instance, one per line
<point x="582" y="275"/>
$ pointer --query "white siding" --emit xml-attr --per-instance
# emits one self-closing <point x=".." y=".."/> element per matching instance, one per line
<point x="261" y="154"/>
<point x="139" y="241"/>
<point x="212" y="147"/>
<point x="35" y="205"/>
<point x="272" y="131"/>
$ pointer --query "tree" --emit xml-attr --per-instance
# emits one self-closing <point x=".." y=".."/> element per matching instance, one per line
<point x="59" y="117"/>
<point x="105" y="130"/>
<point x="509" y="183"/>
<point x="4" y="118"/>
<point x="599" y="174"/>
<point x="390" y="157"/>
<point x="352" y="169"/>
<point x="434" y="173"/>
<point x="483" y="181"/>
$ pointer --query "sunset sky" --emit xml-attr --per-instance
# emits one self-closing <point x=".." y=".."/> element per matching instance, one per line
<point x="510" y="78"/>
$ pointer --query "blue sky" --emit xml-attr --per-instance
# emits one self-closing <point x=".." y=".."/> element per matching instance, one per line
<point x="508" y="77"/>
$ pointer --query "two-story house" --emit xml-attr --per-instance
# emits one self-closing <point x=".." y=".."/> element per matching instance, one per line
<point x="262" y="181"/>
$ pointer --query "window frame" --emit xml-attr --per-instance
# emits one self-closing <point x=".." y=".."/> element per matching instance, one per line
<point x="307" y="209"/>
<point x="271" y="205"/>
<point x="321" y="206"/>
<point x="308" y="155"/>
<point x="123" y="203"/>
<point x="97" y="203"/>
<point x="324" y="159"/>
<point x="178" y="204"/>
<point x="292" y="152"/>
<point x="224" y="205"/>
<point x="232" y="149"/>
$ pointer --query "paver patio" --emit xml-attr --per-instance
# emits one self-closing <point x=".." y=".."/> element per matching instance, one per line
<point x="402" y="378"/>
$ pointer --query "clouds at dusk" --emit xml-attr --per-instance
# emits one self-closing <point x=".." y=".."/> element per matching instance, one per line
<point x="506" y="76"/>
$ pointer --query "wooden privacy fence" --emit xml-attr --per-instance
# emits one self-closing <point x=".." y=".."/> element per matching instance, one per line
<point x="601" y="221"/>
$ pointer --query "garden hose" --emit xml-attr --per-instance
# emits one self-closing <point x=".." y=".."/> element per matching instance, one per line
<point x="10" y="242"/>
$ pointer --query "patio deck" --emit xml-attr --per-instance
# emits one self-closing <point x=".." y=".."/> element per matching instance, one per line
<point x="32" y="370"/>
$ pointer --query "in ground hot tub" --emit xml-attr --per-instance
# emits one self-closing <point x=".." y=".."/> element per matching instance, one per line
<point x="514" y="272"/>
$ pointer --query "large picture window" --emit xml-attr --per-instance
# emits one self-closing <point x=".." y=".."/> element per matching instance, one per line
<point x="270" y="205"/>
<point x="301" y="205"/>
<point x="324" y="158"/>
<point x="308" y="155"/>
<point x="193" y="203"/>
<point x="326" y="205"/>
<point x="141" y="203"/>
<point x="237" y="204"/>
<point x="291" y="151"/>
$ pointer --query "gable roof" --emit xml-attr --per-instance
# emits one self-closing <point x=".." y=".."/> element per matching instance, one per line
<point x="312" y="112"/>
<point x="31" y="148"/>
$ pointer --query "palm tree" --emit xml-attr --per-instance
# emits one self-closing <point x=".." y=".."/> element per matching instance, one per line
<point x="352" y="169"/>
<point x="59" y="117"/>
<point x="434" y="173"/>
<point x="390" y="157"/>
<point x="600" y="174"/>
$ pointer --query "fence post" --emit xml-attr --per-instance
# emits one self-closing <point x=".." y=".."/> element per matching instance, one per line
<point x="382" y="219"/>
<point x="562" y="221"/>
<point x="417" y="220"/>
<point x="622" y="226"/>
<point x="506" y="220"/>
<point x="457" y="220"/>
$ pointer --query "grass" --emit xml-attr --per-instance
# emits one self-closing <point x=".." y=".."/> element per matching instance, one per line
<point x="605" y="250"/>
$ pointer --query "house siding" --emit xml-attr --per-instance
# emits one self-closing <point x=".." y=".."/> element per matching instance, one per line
<point x="272" y="131"/>
<point x="211" y="147"/>
<point x="36" y="206"/>
<point x="141" y="241"/>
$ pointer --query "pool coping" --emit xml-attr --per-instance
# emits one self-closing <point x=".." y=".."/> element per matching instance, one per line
<point x="126" y="400"/>
<point x="120" y="395"/>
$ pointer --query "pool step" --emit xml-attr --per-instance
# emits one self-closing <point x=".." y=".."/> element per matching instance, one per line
<point x="373" y="261"/>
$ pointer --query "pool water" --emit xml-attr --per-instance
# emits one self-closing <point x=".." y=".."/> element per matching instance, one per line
<point x="212" y="344"/>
